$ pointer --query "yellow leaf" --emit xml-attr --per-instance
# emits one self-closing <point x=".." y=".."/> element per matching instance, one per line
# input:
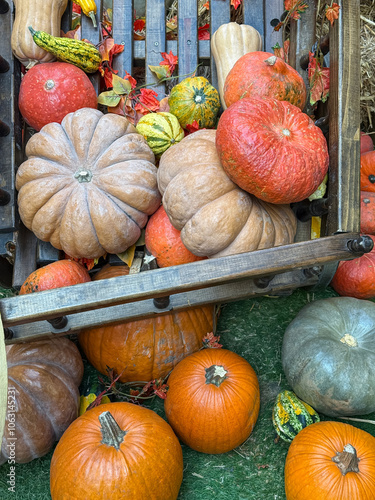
<point x="127" y="256"/>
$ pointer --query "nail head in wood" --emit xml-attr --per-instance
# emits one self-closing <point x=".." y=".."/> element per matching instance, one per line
<point x="161" y="302"/>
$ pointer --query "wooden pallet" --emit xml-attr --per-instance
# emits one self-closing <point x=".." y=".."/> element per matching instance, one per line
<point x="305" y="263"/>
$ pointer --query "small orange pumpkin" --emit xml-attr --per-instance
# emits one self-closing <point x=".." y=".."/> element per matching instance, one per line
<point x="367" y="212"/>
<point x="368" y="171"/>
<point x="330" y="460"/>
<point x="117" y="451"/>
<point x="213" y="400"/>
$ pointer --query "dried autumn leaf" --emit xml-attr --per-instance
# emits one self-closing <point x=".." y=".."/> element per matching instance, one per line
<point x="127" y="256"/>
<point x="235" y="3"/>
<point x="147" y="102"/>
<point x="318" y="80"/>
<point x="161" y="72"/>
<point x="191" y="127"/>
<point x="169" y="60"/>
<point x="332" y="12"/>
<point x="120" y="85"/>
<point x="109" y="98"/>
<point x="204" y="32"/>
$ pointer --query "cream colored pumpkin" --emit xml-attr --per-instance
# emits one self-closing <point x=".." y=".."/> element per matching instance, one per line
<point x="230" y="42"/>
<point x="214" y="215"/>
<point x="88" y="185"/>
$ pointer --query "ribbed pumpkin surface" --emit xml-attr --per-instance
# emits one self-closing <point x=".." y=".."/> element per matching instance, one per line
<point x="146" y="349"/>
<point x="272" y="150"/>
<point x="161" y="130"/>
<point x="214" y="215"/>
<point x="195" y="99"/>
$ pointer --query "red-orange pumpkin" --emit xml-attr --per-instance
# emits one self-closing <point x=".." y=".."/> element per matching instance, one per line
<point x="55" y="275"/>
<point x="262" y="74"/>
<point x="163" y="241"/>
<point x="356" y="278"/>
<point x="213" y="400"/>
<point x="117" y="451"/>
<point x="146" y="349"/>
<point x="367" y="212"/>
<point x="366" y="143"/>
<point x="368" y="171"/>
<point x="331" y="460"/>
<point x="272" y="150"/>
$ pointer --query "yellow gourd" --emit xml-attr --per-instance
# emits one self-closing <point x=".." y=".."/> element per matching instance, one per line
<point x="230" y="42"/>
<point x="88" y="8"/>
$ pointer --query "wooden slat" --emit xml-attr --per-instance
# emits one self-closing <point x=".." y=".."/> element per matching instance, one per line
<point x="146" y="308"/>
<point x="272" y="10"/>
<point x="155" y="41"/>
<point x="171" y="280"/>
<point x="220" y="14"/>
<point x="25" y="256"/>
<point x="187" y="37"/>
<point x="123" y="35"/>
<point x="203" y="48"/>
<point x="344" y="120"/>
<point x="92" y="34"/>
<point x="253" y="11"/>
<point x="7" y="115"/>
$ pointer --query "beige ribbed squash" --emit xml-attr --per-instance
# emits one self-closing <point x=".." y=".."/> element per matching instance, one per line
<point x="230" y="42"/>
<point x="214" y="215"/>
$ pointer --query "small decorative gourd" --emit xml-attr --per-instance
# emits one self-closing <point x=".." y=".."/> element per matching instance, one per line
<point x="88" y="185"/>
<point x="161" y="130"/>
<point x="195" y="99"/>
<point x="290" y="415"/>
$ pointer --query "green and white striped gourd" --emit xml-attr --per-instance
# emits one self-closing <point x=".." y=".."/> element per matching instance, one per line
<point x="290" y="415"/>
<point x="161" y="130"/>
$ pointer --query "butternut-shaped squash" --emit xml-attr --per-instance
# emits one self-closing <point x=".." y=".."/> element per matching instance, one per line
<point x="43" y="15"/>
<point x="230" y="42"/>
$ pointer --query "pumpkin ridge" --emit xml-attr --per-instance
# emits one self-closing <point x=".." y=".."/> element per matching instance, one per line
<point x="51" y="200"/>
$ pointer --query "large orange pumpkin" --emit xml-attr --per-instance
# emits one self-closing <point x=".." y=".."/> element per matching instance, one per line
<point x="272" y="150"/>
<point x="262" y="74"/>
<point x="368" y="171"/>
<point x="117" y="451"/>
<point x="331" y="460"/>
<point x="213" y="400"/>
<point x="146" y="349"/>
<point x="356" y="278"/>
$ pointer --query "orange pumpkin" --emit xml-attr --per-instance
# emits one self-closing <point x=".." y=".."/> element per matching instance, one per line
<point x="367" y="212"/>
<point x="146" y="349"/>
<point x="117" y="451"/>
<point x="55" y="275"/>
<point x="356" y="278"/>
<point x="368" y="171"/>
<point x="213" y="400"/>
<point x="366" y="143"/>
<point x="261" y="74"/>
<point x="331" y="460"/>
<point x="163" y="241"/>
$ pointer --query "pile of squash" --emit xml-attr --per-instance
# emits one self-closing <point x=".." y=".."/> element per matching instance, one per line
<point x="91" y="183"/>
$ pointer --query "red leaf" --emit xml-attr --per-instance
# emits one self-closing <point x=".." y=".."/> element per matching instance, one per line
<point x="318" y="80"/>
<point x="191" y="127"/>
<point x="235" y="3"/>
<point x="332" y="12"/>
<point x="204" y="32"/>
<point x="169" y="60"/>
<point x="139" y="25"/>
<point x="133" y="81"/>
<point x="147" y="102"/>
<point x="209" y="340"/>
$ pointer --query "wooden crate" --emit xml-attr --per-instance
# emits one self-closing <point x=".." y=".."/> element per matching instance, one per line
<point x="305" y="263"/>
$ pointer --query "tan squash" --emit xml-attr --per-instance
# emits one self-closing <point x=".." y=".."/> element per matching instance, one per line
<point x="216" y="217"/>
<point x="230" y="42"/>
<point x="43" y="15"/>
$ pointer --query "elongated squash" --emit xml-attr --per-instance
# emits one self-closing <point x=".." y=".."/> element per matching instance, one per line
<point x="43" y="15"/>
<point x="230" y="42"/>
<point x="77" y="52"/>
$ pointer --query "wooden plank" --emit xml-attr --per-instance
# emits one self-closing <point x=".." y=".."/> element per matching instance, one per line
<point x="146" y="308"/>
<point x="273" y="9"/>
<point x="92" y="34"/>
<point x="7" y="115"/>
<point x="122" y="27"/>
<point x="344" y="120"/>
<point x="155" y="41"/>
<point x="203" y="48"/>
<point x="25" y="256"/>
<point x="175" y="279"/>
<point x="220" y="14"/>
<point x="253" y="12"/>
<point x="187" y="37"/>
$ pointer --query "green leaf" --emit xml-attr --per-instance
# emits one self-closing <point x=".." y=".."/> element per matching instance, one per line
<point x="109" y="98"/>
<point x="121" y="86"/>
<point x="161" y="72"/>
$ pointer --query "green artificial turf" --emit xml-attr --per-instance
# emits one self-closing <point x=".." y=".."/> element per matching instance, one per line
<point x="254" y="329"/>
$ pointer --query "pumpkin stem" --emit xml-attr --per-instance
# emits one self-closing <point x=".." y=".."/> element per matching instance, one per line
<point x="112" y="434"/>
<point x="347" y="460"/>
<point x="49" y="85"/>
<point x="349" y="340"/>
<point x="215" y="375"/>
<point x="83" y="175"/>
<point x="271" y="60"/>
